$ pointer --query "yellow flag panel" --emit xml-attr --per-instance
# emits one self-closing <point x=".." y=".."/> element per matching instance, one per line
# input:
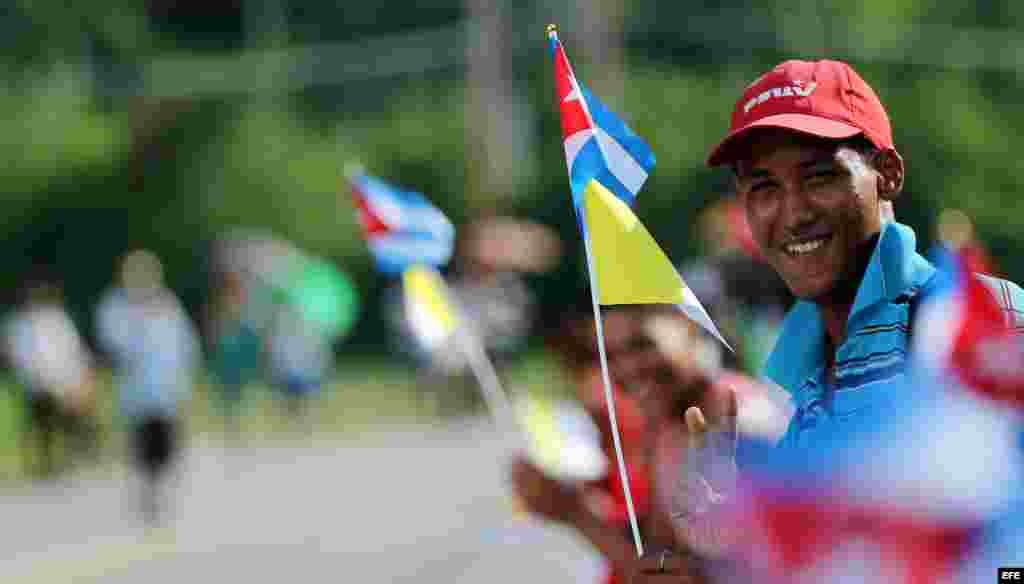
<point x="427" y="303"/>
<point x="629" y="266"/>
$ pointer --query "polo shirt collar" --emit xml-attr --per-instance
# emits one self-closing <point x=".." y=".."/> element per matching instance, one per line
<point x="891" y="270"/>
<point x="800" y="350"/>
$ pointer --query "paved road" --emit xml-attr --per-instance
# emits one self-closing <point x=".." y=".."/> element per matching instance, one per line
<point x="400" y="504"/>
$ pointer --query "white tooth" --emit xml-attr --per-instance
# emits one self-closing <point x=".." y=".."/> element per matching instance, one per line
<point x="807" y="247"/>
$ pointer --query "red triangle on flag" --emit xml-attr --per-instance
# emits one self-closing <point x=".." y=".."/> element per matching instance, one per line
<point x="913" y="549"/>
<point x="370" y="220"/>
<point x="987" y="354"/>
<point x="574" y="117"/>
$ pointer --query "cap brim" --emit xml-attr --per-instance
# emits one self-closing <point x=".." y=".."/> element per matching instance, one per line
<point x="802" y="123"/>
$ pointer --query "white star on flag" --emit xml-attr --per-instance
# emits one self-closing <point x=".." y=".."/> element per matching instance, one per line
<point x="575" y="94"/>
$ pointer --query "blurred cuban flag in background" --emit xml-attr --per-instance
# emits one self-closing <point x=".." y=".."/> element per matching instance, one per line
<point x="411" y="238"/>
<point x="401" y="227"/>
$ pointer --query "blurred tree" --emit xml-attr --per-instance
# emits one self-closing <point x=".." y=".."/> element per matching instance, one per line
<point x="98" y="164"/>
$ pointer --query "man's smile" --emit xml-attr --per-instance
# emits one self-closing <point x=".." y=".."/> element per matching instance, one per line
<point x="806" y="245"/>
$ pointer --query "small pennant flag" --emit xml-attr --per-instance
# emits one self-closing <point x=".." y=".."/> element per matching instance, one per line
<point x="617" y="234"/>
<point x="429" y="313"/>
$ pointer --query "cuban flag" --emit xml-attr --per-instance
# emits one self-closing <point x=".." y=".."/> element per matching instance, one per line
<point x="1001" y="545"/>
<point x="877" y="507"/>
<point x="969" y="335"/>
<point x="971" y="338"/>
<point x="598" y="144"/>
<point x="795" y="523"/>
<point x="401" y="227"/>
<point x="828" y="539"/>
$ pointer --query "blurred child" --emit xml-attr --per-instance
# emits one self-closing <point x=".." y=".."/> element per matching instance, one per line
<point x="598" y="509"/>
<point x="660" y="365"/>
<point x="299" y="356"/>
<point x="234" y="346"/>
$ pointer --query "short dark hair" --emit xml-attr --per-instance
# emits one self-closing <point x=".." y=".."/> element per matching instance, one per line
<point x="862" y="145"/>
<point x="859" y="143"/>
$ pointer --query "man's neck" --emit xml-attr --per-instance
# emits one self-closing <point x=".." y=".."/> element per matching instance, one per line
<point x="835" y="307"/>
<point x="834" y="317"/>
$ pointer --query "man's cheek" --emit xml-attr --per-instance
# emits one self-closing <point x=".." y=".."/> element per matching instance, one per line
<point x="761" y="237"/>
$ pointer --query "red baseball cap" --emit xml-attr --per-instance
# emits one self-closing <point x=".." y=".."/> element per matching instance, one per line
<point x="821" y="98"/>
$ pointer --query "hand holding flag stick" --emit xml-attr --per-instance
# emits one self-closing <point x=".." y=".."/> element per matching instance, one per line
<point x="608" y="164"/>
<point x="426" y="290"/>
<point x="409" y="236"/>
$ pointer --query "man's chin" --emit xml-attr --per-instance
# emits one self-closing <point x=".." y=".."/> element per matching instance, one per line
<point x="812" y="291"/>
<point x="804" y="282"/>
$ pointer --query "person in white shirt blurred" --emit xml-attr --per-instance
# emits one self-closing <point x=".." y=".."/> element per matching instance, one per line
<point x="51" y="363"/>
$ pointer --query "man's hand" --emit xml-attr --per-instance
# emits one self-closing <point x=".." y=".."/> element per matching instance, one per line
<point x="543" y="495"/>
<point x="706" y="481"/>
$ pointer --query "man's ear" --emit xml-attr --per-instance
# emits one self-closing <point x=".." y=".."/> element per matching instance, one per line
<point x="889" y="165"/>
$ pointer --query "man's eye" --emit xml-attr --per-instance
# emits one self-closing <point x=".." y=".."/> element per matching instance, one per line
<point x="760" y="186"/>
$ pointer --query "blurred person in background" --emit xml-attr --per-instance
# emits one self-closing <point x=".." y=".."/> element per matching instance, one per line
<point x="812" y="151"/>
<point x="234" y="345"/>
<point x="53" y="366"/>
<point x="597" y="510"/>
<point x="660" y="364"/>
<point x="690" y="364"/>
<point x="299" y="359"/>
<point x="312" y="305"/>
<point x="957" y="236"/>
<point x="154" y="349"/>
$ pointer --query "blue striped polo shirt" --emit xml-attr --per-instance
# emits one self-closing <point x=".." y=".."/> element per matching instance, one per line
<point x="870" y="362"/>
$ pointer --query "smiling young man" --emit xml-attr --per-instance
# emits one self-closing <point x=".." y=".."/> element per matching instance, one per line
<point x="815" y="165"/>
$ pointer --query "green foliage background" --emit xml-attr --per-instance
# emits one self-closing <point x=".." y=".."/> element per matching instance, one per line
<point x="94" y="166"/>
